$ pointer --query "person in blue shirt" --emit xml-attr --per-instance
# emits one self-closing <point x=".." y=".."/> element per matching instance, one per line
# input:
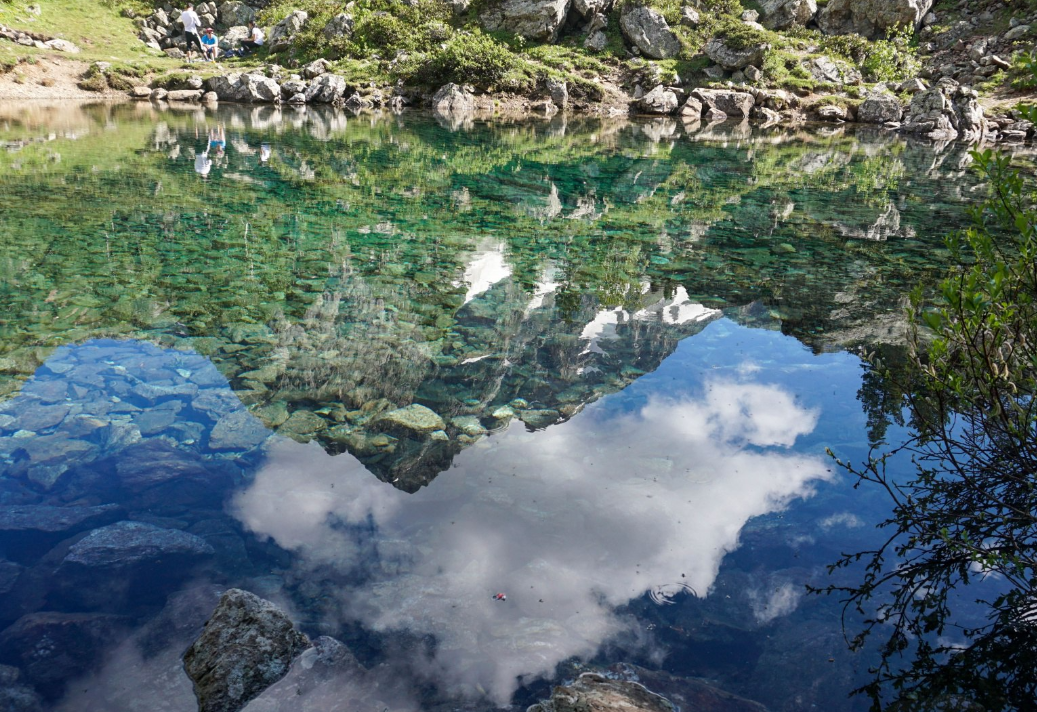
<point x="210" y="45"/>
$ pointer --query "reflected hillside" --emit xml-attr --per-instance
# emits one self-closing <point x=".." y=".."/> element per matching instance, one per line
<point x="397" y="288"/>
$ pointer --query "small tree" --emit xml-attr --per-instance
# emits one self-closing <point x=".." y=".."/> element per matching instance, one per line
<point x="969" y="511"/>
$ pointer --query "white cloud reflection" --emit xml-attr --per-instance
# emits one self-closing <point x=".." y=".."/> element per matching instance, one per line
<point x="569" y="522"/>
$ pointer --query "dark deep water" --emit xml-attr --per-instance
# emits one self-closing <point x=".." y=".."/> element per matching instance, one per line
<point x="378" y="369"/>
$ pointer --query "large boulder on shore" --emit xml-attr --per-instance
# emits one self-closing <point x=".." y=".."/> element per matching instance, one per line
<point x="871" y="18"/>
<point x="736" y="104"/>
<point x="538" y="20"/>
<point x="783" y="14"/>
<point x="248" y="644"/>
<point x="326" y="89"/>
<point x="591" y="692"/>
<point x="658" y="101"/>
<point x="245" y="88"/>
<point x="647" y="30"/>
<point x="946" y="112"/>
<point x="732" y="56"/>
<point x="880" y="108"/>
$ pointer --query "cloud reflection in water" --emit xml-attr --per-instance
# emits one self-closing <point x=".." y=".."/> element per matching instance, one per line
<point x="569" y="522"/>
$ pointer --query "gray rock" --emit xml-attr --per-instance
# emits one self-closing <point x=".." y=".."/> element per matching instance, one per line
<point x="127" y="544"/>
<point x="326" y="89"/>
<point x="62" y="46"/>
<point x="590" y="8"/>
<point x="232" y="37"/>
<point x="341" y="25"/>
<point x="879" y="108"/>
<point x="51" y="648"/>
<point x="248" y="644"/>
<point x="185" y="95"/>
<point x="15" y="695"/>
<point x="591" y="692"/>
<point x="559" y="93"/>
<point x="239" y="430"/>
<point x="832" y="112"/>
<point x="302" y="425"/>
<point x="1016" y="33"/>
<point x="314" y="69"/>
<point x="690" y="16"/>
<point x="871" y="18"/>
<point x="539" y="20"/>
<point x="659" y="100"/>
<point x="308" y="678"/>
<point x="731" y="58"/>
<point x="737" y="104"/>
<point x="412" y="420"/>
<point x="292" y="87"/>
<point x="235" y="13"/>
<point x="692" y="108"/>
<point x="946" y="112"/>
<point x="783" y="14"/>
<point x="596" y="41"/>
<point x="281" y="35"/>
<point x="141" y="92"/>
<point x="450" y="99"/>
<point x="826" y="69"/>
<point x="647" y="30"/>
<point x="28" y="531"/>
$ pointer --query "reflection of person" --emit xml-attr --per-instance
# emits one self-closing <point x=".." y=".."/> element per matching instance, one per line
<point x="218" y="140"/>
<point x="264" y="153"/>
<point x="191" y="23"/>
<point x="255" y="38"/>
<point x="210" y="45"/>
<point x="202" y="163"/>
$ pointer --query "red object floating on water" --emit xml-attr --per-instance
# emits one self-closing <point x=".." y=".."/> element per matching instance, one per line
<point x="500" y="597"/>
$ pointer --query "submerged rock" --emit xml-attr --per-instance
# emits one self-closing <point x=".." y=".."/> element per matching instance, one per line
<point x="248" y="644"/>
<point x="27" y="531"/>
<point x="413" y="420"/>
<point x="591" y="692"/>
<point x="51" y="648"/>
<point x="126" y="544"/>
<point x="15" y="695"/>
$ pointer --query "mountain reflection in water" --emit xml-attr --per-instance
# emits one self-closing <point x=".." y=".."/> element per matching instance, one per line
<point x="398" y="368"/>
<point x="571" y="522"/>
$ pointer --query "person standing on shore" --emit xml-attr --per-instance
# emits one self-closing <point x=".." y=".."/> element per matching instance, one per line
<point x="191" y="23"/>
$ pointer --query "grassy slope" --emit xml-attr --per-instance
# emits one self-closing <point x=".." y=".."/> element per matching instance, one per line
<point x="94" y="25"/>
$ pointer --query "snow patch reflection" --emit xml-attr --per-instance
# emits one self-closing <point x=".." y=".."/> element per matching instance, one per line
<point x="570" y="522"/>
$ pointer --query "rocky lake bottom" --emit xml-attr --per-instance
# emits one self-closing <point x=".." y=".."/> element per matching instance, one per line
<point x="486" y="406"/>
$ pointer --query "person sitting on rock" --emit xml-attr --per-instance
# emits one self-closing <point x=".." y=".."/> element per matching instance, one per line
<point x="210" y="45"/>
<point x="255" y="38"/>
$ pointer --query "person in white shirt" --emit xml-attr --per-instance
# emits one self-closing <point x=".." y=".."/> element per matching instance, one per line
<point x="191" y="23"/>
<point x="255" y="38"/>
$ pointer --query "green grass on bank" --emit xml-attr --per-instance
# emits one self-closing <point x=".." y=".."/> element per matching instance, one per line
<point x="97" y="27"/>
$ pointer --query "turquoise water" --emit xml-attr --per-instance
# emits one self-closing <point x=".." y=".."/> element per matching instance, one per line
<point x="379" y="370"/>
